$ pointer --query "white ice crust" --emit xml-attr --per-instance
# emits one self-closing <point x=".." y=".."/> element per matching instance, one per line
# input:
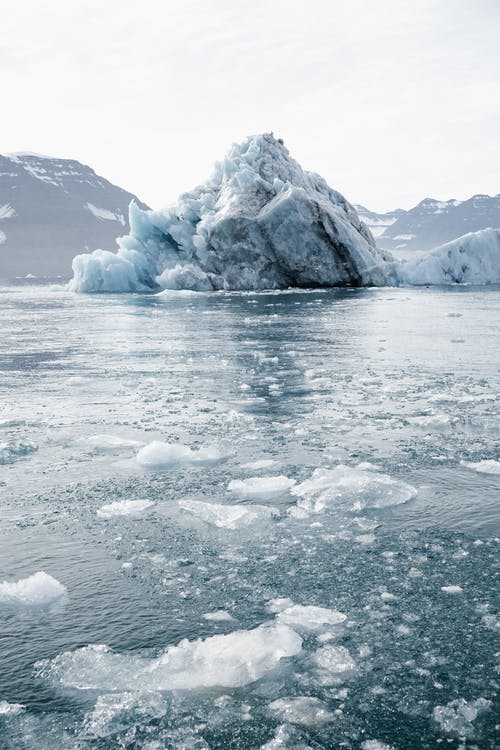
<point x="259" y="222"/>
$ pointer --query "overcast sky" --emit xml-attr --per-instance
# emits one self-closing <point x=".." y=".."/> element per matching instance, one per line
<point x="390" y="100"/>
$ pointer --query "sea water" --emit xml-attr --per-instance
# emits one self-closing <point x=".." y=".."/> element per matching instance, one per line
<point x="245" y="521"/>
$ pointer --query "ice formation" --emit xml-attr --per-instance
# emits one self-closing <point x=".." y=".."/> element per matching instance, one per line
<point x="457" y="717"/>
<point x="38" y="590"/>
<point x="259" y="222"/>
<point x="228" y="516"/>
<point x="11" y="709"/>
<point x="302" y="710"/>
<point x="123" y="508"/>
<point x="471" y="259"/>
<point x="233" y="660"/>
<point x="257" y="486"/>
<point x="310" y="619"/>
<point x="484" y="467"/>
<point x="158" y="455"/>
<point x="359" y="487"/>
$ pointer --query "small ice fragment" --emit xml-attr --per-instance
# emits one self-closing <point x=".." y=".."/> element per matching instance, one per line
<point x="375" y="745"/>
<point x="228" y="516"/>
<point x="457" y="716"/>
<point x="279" y="604"/>
<point x="452" y="589"/>
<point x="38" y="590"/>
<point x="11" y="709"/>
<point x="256" y="486"/>
<point x="483" y="467"/>
<point x="116" y="711"/>
<point x="310" y="619"/>
<point x="219" y="615"/>
<point x="124" y="508"/>
<point x="111" y="443"/>
<point x="365" y="538"/>
<point x="264" y="463"/>
<point x="334" y="663"/>
<point x="158" y="454"/>
<point x="387" y="597"/>
<point x="302" y="710"/>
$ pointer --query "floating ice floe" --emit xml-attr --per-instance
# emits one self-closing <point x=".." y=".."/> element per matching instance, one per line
<point x="228" y="516"/>
<point x="11" y="709"/>
<point x="264" y="463"/>
<point x="452" y="589"/>
<point x="38" y="590"/>
<point x="231" y="660"/>
<point x="158" y="454"/>
<point x="483" y="467"/>
<point x="302" y="710"/>
<point x="259" y="222"/>
<point x="375" y="745"/>
<point x="334" y="664"/>
<point x="124" y="508"/>
<point x="220" y="615"/>
<point x="15" y="449"/>
<point x="111" y="443"/>
<point x="457" y="717"/>
<point x="343" y="485"/>
<point x="261" y="486"/>
<point x="310" y="619"/>
<point x="115" y="712"/>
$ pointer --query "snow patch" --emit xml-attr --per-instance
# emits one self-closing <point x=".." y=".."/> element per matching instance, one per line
<point x="105" y="214"/>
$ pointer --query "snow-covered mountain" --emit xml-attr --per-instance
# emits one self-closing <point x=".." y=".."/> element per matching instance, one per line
<point x="431" y="222"/>
<point x="51" y="209"/>
<point x="259" y="222"/>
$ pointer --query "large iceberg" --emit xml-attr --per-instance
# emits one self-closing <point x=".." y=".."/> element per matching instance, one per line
<point x="471" y="259"/>
<point x="259" y="222"/>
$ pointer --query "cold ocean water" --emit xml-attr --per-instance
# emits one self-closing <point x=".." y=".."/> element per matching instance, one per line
<point x="217" y="466"/>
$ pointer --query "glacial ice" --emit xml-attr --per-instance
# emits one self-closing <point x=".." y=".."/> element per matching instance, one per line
<point x="259" y="222"/>
<point x="233" y="660"/>
<point x="471" y="259"/>
<point x="258" y="486"/>
<point x="302" y="710"/>
<point x="123" y="508"/>
<point x="309" y="618"/>
<point x="484" y="467"/>
<point x="158" y="454"/>
<point x="361" y="488"/>
<point x="228" y="516"/>
<point x="38" y="590"/>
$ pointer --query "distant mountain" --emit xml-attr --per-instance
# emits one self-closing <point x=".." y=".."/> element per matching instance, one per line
<point x="51" y="209"/>
<point x="431" y="222"/>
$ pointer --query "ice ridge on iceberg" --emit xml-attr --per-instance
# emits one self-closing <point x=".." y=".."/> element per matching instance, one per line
<point x="259" y="222"/>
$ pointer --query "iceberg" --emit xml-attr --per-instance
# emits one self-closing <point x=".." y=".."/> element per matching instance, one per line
<point x="471" y="259"/>
<point x="259" y="222"/>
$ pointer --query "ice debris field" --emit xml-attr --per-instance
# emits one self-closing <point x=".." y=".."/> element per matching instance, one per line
<point x="249" y="521"/>
<point x="262" y="222"/>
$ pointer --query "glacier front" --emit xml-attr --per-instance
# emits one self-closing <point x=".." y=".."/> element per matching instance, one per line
<point x="259" y="222"/>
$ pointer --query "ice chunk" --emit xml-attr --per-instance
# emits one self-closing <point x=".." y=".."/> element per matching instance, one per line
<point x="457" y="717"/>
<point x="284" y="739"/>
<point x="471" y="259"/>
<point x="257" y="486"/>
<point x="310" y="619"/>
<point x="452" y="589"/>
<point x="219" y="615"/>
<point x="13" y="450"/>
<point x="38" y="590"/>
<point x="342" y="485"/>
<point x="228" y="516"/>
<point x="231" y="660"/>
<point x="484" y="467"/>
<point x="375" y="745"/>
<point x="115" y="712"/>
<point x="303" y="710"/>
<point x="158" y="454"/>
<point x="111" y="443"/>
<point x="124" y="508"/>
<point x="259" y="222"/>
<point x="11" y="709"/>
<point x="334" y="664"/>
<point x="264" y="463"/>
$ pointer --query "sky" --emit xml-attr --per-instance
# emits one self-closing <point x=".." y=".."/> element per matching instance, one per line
<point x="391" y="101"/>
